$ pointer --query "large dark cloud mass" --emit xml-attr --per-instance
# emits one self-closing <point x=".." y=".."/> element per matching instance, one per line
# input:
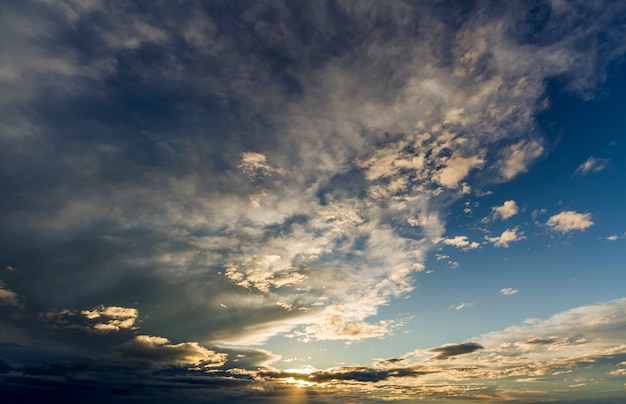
<point x="181" y="180"/>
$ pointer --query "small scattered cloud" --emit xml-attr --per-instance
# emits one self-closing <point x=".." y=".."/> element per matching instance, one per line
<point x="508" y="291"/>
<point x="448" y="351"/>
<point x="507" y="237"/>
<point x="568" y="221"/>
<point x="614" y="237"/>
<point x="507" y="210"/>
<point x="459" y="242"/>
<point x="592" y="165"/>
<point x="461" y="306"/>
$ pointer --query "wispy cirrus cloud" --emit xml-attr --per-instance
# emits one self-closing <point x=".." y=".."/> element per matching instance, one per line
<point x="592" y="165"/>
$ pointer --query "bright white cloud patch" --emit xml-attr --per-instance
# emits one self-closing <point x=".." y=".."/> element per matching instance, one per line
<point x="508" y="291"/>
<point x="508" y="236"/>
<point x="592" y="165"/>
<point x="568" y="221"/>
<point x="459" y="242"/>
<point x="507" y="210"/>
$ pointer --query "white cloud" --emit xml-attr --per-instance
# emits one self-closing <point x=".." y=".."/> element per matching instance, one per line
<point x="456" y="169"/>
<point x="507" y="210"/>
<point x="461" y="306"/>
<point x="459" y="242"/>
<point x="508" y="236"/>
<point x="567" y="221"/>
<point x="592" y="165"/>
<point x="508" y="291"/>
<point x="517" y="157"/>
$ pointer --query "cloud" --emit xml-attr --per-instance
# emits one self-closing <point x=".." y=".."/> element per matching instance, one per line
<point x="158" y="351"/>
<point x="569" y="220"/>
<point x="101" y="319"/>
<point x="448" y="351"/>
<point x="459" y="242"/>
<point x="377" y="128"/>
<point x="592" y="165"/>
<point x="461" y="306"/>
<point x="507" y="236"/>
<point x="456" y="169"/>
<point x="517" y="157"/>
<point x="255" y="165"/>
<point x="7" y="296"/>
<point x="508" y="291"/>
<point x="506" y="211"/>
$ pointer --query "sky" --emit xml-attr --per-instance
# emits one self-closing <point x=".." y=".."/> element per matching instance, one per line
<point x="312" y="201"/>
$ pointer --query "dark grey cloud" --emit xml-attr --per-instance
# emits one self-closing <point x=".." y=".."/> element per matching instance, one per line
<point x="348" y="373"/>
<point x="448" y="351"/>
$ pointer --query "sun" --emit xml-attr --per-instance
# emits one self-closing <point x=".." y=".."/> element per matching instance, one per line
<point x="297" y="381"/>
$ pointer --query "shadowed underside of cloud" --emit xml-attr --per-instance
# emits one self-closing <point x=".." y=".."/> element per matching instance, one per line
<point x="448" y="351"/>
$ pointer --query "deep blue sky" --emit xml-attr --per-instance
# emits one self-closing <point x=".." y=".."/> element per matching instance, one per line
<point x="322" y="201"/>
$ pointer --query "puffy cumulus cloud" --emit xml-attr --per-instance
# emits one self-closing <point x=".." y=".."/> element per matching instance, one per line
<point x="159" y="352"/>
<point x="592" y="165"/>
<point x="459" y="242"/>
<point x="569" y="220"/>
<point x="506" y="211"/>
<point x="508" y="236"/>
<point x="450" y="350"/>
<point x="509" y="291"/>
